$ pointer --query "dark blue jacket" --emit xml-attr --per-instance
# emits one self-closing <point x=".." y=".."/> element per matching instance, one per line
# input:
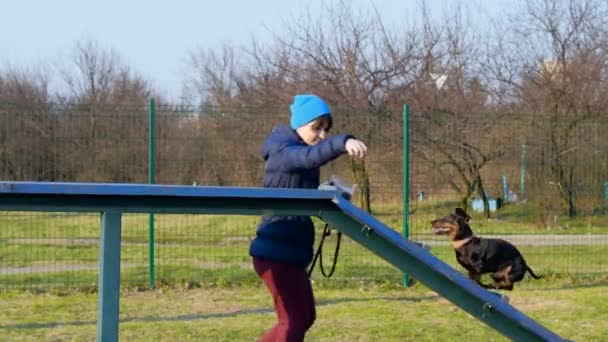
<point x="290" y="163"/>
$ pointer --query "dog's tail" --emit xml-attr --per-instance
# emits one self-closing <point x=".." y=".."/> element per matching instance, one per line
<point x="532" y="273"/>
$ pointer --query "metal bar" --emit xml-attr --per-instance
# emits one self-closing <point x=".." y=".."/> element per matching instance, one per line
<point x="151" y="152"/>
<point x="437" y="275"/>
<point x="406" y="179"/>
<point x="522" y="179"/>
<point x="151" y="171"/>
<point x="606" y="193"/>
<point x="109" y="277"/>
<point x="160" y="204"/>
<point x="103" y="189"/>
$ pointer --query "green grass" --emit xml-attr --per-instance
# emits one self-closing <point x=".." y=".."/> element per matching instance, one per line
<point x="21" y="255"/>
<point x="354" y="265"/>
<point x="57" y="265"/>
<point x="189" y="246"/>
<point x="224" y="302"/>
<point x="184" y="229"/>
<point x="354" y="313"/>
<point x="513" y="219"/>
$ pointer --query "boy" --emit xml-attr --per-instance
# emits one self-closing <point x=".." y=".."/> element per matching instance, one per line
<point x="283" y="247"/>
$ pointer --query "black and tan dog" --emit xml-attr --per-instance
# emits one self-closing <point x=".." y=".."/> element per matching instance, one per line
<point x="480" y="255"/>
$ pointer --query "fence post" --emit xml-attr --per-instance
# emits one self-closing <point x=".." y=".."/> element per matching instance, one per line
<point x="406" y="179"/>
<point x="522" y="181"/>
<point x="606" y="193"/>
<point x="505" y="190"/>
<point x="151" y="170"/>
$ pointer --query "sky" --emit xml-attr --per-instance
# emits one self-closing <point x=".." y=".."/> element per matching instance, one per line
<point x="155" y="37"/>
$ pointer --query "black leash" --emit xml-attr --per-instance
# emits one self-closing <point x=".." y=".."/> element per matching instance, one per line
<point x="319" y="253"/>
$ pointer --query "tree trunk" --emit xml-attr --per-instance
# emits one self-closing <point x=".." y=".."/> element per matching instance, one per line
<point x="484" y="197"/>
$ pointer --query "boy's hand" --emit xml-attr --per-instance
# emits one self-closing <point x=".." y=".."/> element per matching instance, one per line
<point x="355" y="148"/>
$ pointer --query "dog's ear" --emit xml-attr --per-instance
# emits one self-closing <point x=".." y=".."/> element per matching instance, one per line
<point x="460" y="212"/>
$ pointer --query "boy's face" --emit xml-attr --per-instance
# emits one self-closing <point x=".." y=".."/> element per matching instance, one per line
<point x="315" y="131"/>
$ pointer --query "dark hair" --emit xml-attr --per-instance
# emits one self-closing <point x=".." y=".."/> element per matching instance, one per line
<point x="325" y="119"/>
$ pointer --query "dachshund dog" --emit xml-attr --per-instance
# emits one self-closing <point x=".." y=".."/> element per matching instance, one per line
<point x="479" y="255"/>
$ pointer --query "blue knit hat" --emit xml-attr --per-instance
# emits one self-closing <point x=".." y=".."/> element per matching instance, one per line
<point x="307" y="107"/>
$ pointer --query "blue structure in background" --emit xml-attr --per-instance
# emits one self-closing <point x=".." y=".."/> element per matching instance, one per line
<point x="493" y="203"/>
<point x="111" y="200"/>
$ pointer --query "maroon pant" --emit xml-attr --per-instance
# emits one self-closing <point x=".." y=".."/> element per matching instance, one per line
<point x="293" y="300"/>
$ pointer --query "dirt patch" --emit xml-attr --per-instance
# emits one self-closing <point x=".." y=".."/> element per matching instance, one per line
<point x="537" y="304"/>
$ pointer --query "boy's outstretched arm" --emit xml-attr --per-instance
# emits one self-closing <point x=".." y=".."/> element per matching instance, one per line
<point x="308" y="157"/>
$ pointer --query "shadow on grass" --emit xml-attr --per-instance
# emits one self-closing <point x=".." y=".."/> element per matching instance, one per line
<point x="192" y="317"/>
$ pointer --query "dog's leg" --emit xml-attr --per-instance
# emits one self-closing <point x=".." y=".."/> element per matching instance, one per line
<point x="476" y="277"/>
<point x="505" y="286"/>
<point x="488" y="286"/>
<point x="504" y="278"/>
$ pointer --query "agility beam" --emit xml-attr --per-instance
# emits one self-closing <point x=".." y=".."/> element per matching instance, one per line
<point x="111" y="200"/>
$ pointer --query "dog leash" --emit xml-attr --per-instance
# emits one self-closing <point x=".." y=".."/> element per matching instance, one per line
<point x="319" y="253"/>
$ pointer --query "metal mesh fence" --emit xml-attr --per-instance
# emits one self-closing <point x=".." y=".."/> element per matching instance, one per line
<point x="547" y="169"/>
<point x="202" y="147"/>
<point x="543" y="176"/>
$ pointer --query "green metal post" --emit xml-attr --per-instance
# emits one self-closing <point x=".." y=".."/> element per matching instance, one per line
<point x="522" y="181"/>
<point x="406" y="179"/>
<point x="606" y="193"/>
<point x="151" y="180"/>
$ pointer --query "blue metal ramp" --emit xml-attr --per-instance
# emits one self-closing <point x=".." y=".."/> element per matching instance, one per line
<point x="111" y="200"/>
<point x="434" y="273"/>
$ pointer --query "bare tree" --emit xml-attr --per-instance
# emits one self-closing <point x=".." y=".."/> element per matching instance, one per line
<point x="18" y="85"/>
<point x="549" y="57"/>
<point x="453" y="136"/>
<point x="98" y="76"/>
<point x="90" y="74"/>
<point x="214" y="75"/>
<point x="553" y="59"/>
<point x="349" y="58"/>
<point x="106" y="104"/>
<point x="26" y="125"/>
